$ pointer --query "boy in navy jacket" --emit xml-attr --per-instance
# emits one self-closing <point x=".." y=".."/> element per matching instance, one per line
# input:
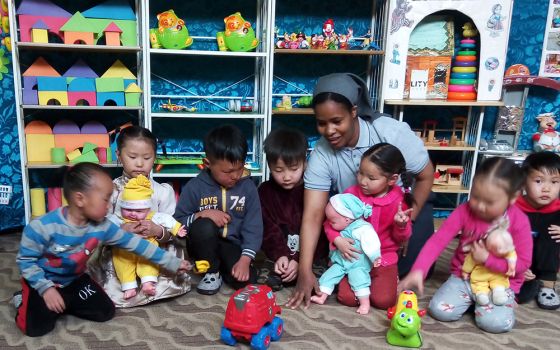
<point x="222" y="213"/>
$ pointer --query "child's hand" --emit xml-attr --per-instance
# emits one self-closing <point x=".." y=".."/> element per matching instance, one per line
<point x="281" y="265"/>
<point x="346" y="248"/>
<point x="134" y="227"/>
<point x="377" y="262"/>
<point x="554" y="232"/>
<point x="529" y="275"/>
<point x="182" y="231"/>
<point x="465" y="275"/>
<point x="414" y="280"/>
<point x="219" y="217"/>
<point x="240" y="270"/>
<point x="54" y="300"/>
<point x="402" y="217"/>
<point x="291" y="272"/>
<point x="479" y="252"/>
<point x="184" y="267"/>
<point x="511" y="270"/>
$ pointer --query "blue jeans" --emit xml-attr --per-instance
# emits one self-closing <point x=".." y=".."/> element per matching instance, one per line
<point x="454" y="298"/>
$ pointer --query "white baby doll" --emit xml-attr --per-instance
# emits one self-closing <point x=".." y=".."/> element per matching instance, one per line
<point x="345" y="213"/>
<point x="135" y="206"/>
<point x="499" y="243"/>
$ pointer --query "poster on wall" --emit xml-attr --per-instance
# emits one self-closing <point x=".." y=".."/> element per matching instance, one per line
<point x="550" y="59"/>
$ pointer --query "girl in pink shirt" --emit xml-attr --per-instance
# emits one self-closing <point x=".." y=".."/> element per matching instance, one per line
<point x="495" y="187"/>
<point x="377" y="178"/>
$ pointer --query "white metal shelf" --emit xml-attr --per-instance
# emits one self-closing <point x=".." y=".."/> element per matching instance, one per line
<point x="77" y="48"/>
<point x="184" y="174"/>
<point x="444" y="103"/>
<point x="188" y="52"/>
<point x="83" y="108"/>
<point x="48" y="165"/>
<point x="209" y="115"/>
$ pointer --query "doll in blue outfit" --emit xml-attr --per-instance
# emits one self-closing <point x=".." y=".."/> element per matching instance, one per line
<point x="346" y="213"/>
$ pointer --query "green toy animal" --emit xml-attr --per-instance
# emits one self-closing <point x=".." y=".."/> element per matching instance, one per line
<point x="171" y="32"/>
<point x="405" y="321"/>
<point x="238" y="36"/>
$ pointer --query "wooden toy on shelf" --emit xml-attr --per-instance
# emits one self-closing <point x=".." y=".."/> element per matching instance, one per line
<point x="448" y="175"/>
<point x="459" y="125"/>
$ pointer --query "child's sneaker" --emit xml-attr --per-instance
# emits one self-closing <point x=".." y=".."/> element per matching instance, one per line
<point x="274" y="282"/>
<point x="548" y="299"/>
<point x="17" y="299"/>
<point x="210" y="284"/>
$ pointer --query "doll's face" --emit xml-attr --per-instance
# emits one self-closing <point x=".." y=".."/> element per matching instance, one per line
<point x="337" y="221"/>
<point x="498" y="243"/>
<point x="135" y="214"/>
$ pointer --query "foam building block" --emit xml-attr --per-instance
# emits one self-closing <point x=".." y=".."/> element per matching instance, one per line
<point x="39" y="32"/>
<point x="51" y="84"/>
<point x="68" y="135"/>
<point x="48" y="97"/>
<point x="80" y="69"/>
<point x="119" y="12"/>
<point x="30" y="89"/>
<point x="118" y="70"/>
<point x="112" y="35"/>
<point x="78" y="30"/>
<point x="81" y="84"/>
<point x="30" y="11"/>
<point x="88" y="147"/>
<point x="73" y="155"/>
<point x="39" y="141"/>
<point x="89" y="157"/>
<point x="132" y="95"/>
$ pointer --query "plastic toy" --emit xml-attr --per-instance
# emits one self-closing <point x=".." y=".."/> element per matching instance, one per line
<point x="171" y="32"/>
<point x="251" y="316"/>
<point x="238" y="36"/>
<point x="405" y="321"/>
<point x="547" y="138"/>
<point x="173" y="107"/>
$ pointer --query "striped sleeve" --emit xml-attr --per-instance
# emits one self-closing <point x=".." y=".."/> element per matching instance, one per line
<point x="133" y="243"/>
<point x="34" y="241"/>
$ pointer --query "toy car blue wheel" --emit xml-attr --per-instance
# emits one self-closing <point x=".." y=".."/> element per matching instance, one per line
<point x="227" y="337"/>
<point x="261" y="340"/>
<point x="276" y="328"/>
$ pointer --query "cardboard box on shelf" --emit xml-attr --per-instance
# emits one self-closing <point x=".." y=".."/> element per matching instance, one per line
<point x="427" y="77"/>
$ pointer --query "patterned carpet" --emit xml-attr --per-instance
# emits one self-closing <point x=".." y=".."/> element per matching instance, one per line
<point x="194" y="321"/>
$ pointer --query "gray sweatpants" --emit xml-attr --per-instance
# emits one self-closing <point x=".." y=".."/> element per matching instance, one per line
<point x="454" y="298"/>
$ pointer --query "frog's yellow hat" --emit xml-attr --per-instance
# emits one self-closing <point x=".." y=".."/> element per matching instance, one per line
<point x="137" y="193"/>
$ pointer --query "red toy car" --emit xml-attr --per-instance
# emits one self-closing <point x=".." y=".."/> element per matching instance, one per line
<point x="251" y="315"/>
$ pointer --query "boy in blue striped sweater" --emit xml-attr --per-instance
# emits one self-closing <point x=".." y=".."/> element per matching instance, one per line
<point x="55" y="248"/>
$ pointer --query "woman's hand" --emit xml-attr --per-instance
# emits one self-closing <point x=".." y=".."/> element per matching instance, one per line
<point x="346" y="248"/>
<point x="54" y="300"/>
<point x="414" y="280"/>
<point x="151" y="229"/>
<point x="219" y="217"/>
<point x="306" y="283"/>
<point x="134" y="227"/>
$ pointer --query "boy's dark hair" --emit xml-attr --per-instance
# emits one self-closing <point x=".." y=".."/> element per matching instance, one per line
<point x="504" y="172"/>
<point x="546" y="162"/>
<point x="136" y="132"/>
<point x="287" y="144"/>
<point x="332" y="96"/>
<point x="226" y="142"/>
<point x="79" y="178"/>
<point x="391" y="161"/>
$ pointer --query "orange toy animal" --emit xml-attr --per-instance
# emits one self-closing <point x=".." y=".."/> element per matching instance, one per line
<point x="236" y="23"/>
<point x="169" y="20"/>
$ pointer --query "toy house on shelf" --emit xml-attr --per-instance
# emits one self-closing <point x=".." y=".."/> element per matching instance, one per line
<point x="492" y="19"/>
<point x="80" y="86"/>
<point x="448" y="175"/>
<point x="457" y="137"/>
<point x="113" y="20"/>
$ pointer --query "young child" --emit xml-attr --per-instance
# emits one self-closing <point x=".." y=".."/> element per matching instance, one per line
<point x="135" y="206"/>
<point x="222" y="213"/>
<point x="282" y="205"/>
<point x="55" y="248"/>
<point x="380" y="168"/>
<point x="136" y="151"/>
<point x="541" y="204"/>
<point x="483" y="280"/>
<point x="344" y="213"/>
<point x="496" y="184"/>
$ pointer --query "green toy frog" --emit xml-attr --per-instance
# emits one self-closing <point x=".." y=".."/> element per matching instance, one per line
<point x="171" y="32"/>
<point x="238" y="36"/>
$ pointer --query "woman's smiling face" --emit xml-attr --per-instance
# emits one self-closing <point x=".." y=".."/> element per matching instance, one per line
<point x="337" y="124"/>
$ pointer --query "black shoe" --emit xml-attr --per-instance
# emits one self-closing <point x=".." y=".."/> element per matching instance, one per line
<point x="274" y="282"/>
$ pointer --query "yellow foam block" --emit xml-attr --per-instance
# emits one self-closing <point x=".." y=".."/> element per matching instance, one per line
<point x="73" y="155"/>
<point x="39" y="147"/>
<point x="46" y="96"/>
<point x="38" y="205"/>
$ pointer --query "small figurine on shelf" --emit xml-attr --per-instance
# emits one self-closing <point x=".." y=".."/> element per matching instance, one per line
<point x="328" y="30"/>
<point x="251" y="316"/>
<point x="405" y="321"/>
<point x="547" y="138"/>
<point x="238" y="36"/>
<point x="302" y="41"/>
<point x="171" y="32"/>
<point x="174" y="107"/>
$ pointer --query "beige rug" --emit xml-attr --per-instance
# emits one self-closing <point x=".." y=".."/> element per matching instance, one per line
<point x="193" y="321"/>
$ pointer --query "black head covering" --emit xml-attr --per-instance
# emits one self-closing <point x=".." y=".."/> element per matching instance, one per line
<point x="350" y="86"/>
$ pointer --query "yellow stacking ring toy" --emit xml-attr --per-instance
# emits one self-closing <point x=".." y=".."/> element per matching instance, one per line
<point x="465" y="58"/>
<point x="463" y="69"/>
